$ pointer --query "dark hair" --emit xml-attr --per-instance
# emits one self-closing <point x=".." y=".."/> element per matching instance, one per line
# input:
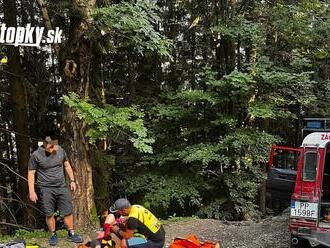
<point x="103" y="217"/>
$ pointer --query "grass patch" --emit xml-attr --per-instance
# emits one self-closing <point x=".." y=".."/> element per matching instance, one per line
<point x="5" y="238"/>
<point x="31" y="236"/>
<point x="38" y="234"/>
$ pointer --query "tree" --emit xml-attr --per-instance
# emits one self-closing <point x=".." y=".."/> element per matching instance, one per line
<point x="75" y="57"/>
<point x="19" y="104"/>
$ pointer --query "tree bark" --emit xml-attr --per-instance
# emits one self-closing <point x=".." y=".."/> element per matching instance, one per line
<point x="46" y="19"/>
<point x="19" y="105"/>
<point x="131" y="78"/>
<point x="76" y="59"/>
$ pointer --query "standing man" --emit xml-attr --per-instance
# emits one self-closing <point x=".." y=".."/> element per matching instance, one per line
<point x="47" y="172"/>
<point x="139" y="220"/>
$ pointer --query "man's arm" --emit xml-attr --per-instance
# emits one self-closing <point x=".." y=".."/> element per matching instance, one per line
<point x="31" y="179"/>
<point x="124" y="234"/>
<point x="69" y="171"/>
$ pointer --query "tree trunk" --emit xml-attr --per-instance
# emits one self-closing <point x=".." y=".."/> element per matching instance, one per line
<point x="46" y="19"/>
<point x="76" y="60"/>
<point x="19" y="105"/>
<point x="83" y="198"/>
<point x="131" y="78"/>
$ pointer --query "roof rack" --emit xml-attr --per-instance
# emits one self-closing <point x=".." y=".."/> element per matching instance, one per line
<point x="311" y="125"/>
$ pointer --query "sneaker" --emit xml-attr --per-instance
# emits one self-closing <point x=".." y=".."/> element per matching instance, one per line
<point x="75" y="238"/>
<point x="53" y="240"/>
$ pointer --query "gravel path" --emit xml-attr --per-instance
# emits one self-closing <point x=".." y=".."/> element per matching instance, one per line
<point x="268" y="233"/>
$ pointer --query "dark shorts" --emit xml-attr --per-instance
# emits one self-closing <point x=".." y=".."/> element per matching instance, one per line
<point x="55" y="198"/>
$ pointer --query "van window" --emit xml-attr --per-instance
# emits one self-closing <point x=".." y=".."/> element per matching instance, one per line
<point x="310" y="163"/>
<point x="285" y="159"/>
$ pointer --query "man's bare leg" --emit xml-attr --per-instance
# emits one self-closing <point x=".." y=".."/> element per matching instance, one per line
<point x="51" y="223"/>
<point x="68" y="221"/>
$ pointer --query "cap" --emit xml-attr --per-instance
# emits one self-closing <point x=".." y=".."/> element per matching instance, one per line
<point x="120" y="204"/>
<point x="48" y="140"/>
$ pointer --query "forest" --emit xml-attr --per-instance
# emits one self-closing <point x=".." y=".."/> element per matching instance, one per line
<point x="173" y="104"/>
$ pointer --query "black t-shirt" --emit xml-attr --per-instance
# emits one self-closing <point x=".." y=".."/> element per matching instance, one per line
<point x="135" y="224"/>
<point x="49" y="167"/>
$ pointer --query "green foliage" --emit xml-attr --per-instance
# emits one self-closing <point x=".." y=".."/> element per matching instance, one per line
<point x="196" y="96"/>
<point x="225" y="120"/>
<point x="302" y="23"/>
<point x="216" y="209"/>
<point x="249" y="144"/>
<point x="163" y="192"/>
<point x="234" y="83"/>
<point x="169" y="111"/>
<point x="243" y="189"/>
<point x="236" y="160"/>
<point x="240" y="76"/>
<point x="239" y="28"/>
<point x="238" y="73"/>
<point x="133" y="25"/>
<point x="263" y="110"/>
<point x="281" y="88"/>
<point x="103" y="121"/>
<point x="300" y="62"/>
<point x="102" y="159"/>
<point x="202" y="153"/>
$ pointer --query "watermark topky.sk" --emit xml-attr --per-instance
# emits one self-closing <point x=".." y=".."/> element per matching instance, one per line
<point x="29" y="36"/>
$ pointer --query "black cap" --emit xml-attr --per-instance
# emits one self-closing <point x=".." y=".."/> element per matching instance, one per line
<point x="120" y="204"/>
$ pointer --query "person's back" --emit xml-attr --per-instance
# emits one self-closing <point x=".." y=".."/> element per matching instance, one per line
<point x="144" y="222"/>
<point x="139" y="220"/>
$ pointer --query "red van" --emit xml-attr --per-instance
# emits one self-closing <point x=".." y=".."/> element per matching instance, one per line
<point x="310" y="202"/>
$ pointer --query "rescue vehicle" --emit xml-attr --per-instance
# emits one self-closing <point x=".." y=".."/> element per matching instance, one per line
<point x="304" y="174"/>
<point x="310" y="202"/>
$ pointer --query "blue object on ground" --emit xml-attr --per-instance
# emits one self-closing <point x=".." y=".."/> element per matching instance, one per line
<point x="136" y="241"/>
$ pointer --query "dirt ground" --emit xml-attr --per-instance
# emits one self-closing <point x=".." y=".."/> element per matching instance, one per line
<point x="268" y="233"/>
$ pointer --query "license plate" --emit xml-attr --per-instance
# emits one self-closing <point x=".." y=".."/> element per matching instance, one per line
<point x="304" y="209"/>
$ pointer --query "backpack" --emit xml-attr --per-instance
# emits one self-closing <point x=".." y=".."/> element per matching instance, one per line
<point x="13" y="245"/>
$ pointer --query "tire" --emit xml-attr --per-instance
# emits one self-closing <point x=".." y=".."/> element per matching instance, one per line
<point x="302" y="243"/>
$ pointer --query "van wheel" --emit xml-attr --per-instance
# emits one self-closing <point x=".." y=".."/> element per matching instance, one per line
<point x="297" y="242"/>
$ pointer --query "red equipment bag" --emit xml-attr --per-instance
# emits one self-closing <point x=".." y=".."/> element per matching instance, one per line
<point x="191" y="241"/>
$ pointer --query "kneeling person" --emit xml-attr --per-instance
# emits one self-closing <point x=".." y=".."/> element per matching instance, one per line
<point x="140" y="220"/>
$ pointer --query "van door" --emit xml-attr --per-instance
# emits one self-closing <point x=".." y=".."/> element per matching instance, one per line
<point x="325" y="190"/>
<point x="305" y="200"/>
<point x="282" y="172"/>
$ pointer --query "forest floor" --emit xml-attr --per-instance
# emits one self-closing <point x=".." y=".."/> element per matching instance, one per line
<point x="271" y="232"/>
<point x="267" y="233"/>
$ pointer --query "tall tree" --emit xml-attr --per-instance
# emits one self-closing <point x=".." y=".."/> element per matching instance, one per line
<point x="76" y="60"/>
<point x="19" y="102"/>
